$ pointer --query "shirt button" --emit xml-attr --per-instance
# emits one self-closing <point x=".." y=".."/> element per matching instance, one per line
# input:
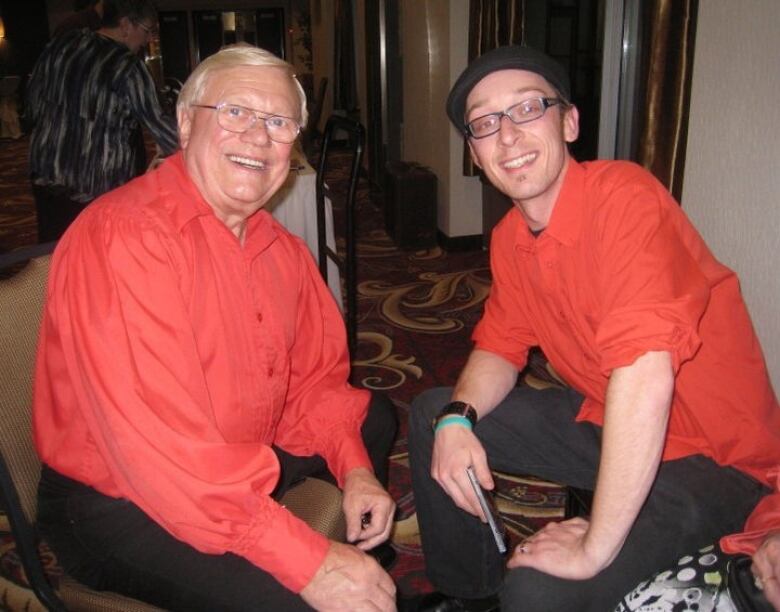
<point x="270" y="372"/>
<point x="549" y="264"/>
<point x="260" y="317"/>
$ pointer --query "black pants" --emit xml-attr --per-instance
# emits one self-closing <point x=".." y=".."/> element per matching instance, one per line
<point x="55" y="210"/>
<point x="692" y="503"/>
<point x="110" y="544"/>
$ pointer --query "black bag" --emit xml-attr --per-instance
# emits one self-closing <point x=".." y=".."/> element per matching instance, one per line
<point x="741" y="583"/>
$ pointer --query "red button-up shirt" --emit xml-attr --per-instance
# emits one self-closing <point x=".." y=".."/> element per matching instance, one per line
<point x="171" y="358"/>
<point x="620" y="271"/>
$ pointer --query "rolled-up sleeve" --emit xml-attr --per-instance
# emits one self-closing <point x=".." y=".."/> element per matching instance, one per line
<point x="654" y="292"/>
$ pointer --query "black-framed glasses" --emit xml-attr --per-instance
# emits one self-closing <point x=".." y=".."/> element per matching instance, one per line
<point x="522" y="112"/>
<point x="239" y="119"/>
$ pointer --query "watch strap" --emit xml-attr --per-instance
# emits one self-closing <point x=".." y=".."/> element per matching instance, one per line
<point x="460" y="409"/>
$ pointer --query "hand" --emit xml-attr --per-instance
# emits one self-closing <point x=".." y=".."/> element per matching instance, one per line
<point x="368" y="509"/>
<point x="766" y="567"/>
<point x="454" y="449"/>
<point x="349" y="579"/>
<point x="559" y="549"/>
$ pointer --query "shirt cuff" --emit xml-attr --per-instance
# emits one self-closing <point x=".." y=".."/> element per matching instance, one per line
<point x="286" y="547"/>
<point x="345" y="453"/>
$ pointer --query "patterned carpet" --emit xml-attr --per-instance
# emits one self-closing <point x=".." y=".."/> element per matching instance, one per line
<point x="416" y="312"/>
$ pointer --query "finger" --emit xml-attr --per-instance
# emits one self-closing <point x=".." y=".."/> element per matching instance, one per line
<point x="483" y="473"/>
<point x="385" y="599"/>
<point x="354" y="518"/>
<point x="772" y="592"/>
<point x="523" y="556"/>
<point x="470" y="502"/>
<point x="369" y="543"/>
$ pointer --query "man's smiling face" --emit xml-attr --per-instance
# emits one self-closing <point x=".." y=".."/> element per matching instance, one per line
<point x="238" y="173"/>
<point x="527" y="162"/>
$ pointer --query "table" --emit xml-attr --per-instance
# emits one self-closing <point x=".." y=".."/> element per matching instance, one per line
<point x="295" y="207"/>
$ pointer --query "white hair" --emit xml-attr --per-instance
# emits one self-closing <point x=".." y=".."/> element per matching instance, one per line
<point x="232" y="56"/>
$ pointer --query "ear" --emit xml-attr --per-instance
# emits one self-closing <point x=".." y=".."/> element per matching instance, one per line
<point x="184" y="119"/>
<point x="571" y="124"/>
<point x="473" y="153"/>
<point x="124" y="26"/>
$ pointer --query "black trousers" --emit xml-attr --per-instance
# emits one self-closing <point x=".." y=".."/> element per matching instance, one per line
<point x="55" y="210"/>
<point x="692" y="503"/>
<point x="110" y="544"/>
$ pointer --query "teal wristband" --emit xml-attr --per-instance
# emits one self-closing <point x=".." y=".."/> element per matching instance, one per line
<point x="452" y="420"/>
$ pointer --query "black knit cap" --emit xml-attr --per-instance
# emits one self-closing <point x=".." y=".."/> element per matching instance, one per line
<point x="504" y="58"/>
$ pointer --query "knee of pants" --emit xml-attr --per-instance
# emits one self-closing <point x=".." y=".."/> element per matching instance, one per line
<point x="382" y="419"/>
<point x="528" y="589"/>
<point x="426" y="406"/>
<point x="423" y="409"/>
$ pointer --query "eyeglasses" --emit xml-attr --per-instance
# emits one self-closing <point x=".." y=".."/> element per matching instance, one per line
<point x="522" y="112"/>
<point x="239" y="119"/>
<point x="151" y="31"/>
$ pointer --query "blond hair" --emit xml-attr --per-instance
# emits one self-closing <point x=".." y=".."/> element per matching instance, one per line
<point x="233" y="56"/>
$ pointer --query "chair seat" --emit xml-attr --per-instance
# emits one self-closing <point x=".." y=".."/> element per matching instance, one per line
<point x="77" y="597"/>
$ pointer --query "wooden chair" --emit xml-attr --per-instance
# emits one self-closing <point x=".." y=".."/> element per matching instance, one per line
<point x="347" y="263"/>
<point x="21" y="303"/>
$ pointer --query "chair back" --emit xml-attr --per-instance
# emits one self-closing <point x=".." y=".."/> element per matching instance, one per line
<point x="21" y="305"/>
<point x="345" y="199"/>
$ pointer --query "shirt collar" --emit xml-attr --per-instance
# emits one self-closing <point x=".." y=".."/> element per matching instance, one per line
<point x="566" y="219"/>
<point x="188" y="204"/>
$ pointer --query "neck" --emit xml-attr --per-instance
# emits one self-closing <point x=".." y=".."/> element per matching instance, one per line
<point x="537" y="210"/>
<point x="113" y="34"/>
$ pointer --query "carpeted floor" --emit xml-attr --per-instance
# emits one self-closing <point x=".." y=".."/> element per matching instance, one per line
<point x="416" y="313"/>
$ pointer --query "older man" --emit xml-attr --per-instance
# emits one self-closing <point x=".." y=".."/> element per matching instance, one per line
<point x="670" y="416"/>
<point x="193" y="365"/>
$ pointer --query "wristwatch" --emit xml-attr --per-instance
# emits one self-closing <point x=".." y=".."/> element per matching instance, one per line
<point x="459" y="409"/>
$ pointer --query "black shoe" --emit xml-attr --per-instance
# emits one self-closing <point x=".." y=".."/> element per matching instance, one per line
<point x="384" y="554"/>
<point x="439" y="602"/>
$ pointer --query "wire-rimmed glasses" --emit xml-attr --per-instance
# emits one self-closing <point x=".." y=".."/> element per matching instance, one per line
<point x="239" y="119"/>
<point x="522" y="112"/>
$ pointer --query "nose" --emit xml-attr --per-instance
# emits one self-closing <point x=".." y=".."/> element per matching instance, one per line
<point x="257" y="132"/>
<point x="508" y="130"/>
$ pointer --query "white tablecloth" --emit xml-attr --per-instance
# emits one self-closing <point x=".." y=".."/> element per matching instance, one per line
<point x="295" y="207"/>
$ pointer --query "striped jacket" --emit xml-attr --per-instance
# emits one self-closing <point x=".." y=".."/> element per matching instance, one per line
<point x="86" y="96"/>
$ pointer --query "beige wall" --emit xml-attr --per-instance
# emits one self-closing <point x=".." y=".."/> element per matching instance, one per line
<point x="732" y="175"/>
<point x="433" y="44"/>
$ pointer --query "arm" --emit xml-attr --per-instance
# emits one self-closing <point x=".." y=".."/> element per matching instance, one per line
<point x="484" y="383"/>
<point x="124" y="355"/>
<point x="761" y="540"/>
<point x="766" y="566"/>
<point x="324" y="414"/>
<point x="637" y="410"/>
<point x="146" y="108"/>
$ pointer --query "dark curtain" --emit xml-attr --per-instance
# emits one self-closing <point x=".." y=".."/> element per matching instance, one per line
<point x="492" y="24"/>
<point x="663" y="130"/>
<point x="345" y="87"/>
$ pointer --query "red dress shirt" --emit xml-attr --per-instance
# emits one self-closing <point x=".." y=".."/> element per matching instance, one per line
<point x="620" y="271"/>
<point x="171" y="358"/>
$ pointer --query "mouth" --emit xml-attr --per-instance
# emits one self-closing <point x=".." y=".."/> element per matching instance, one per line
<point x="247" y="162"/>
<point x="519" y="162"/>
